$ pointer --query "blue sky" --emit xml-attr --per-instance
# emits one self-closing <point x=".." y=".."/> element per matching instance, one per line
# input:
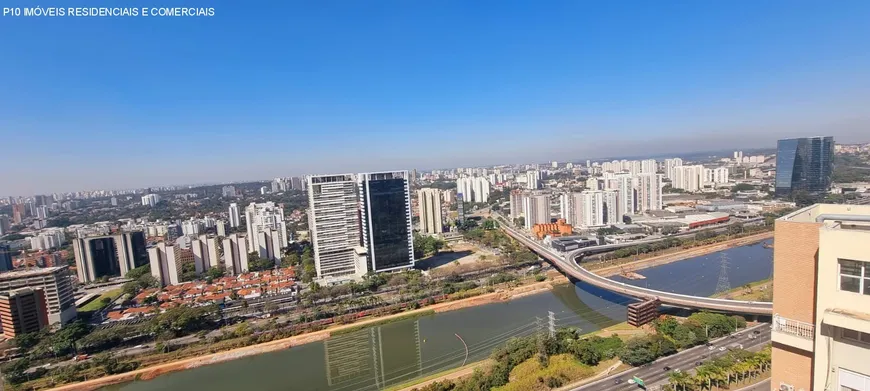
<point x="284" y="88"/>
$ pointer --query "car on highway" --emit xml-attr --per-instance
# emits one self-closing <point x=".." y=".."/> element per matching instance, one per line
<point x="631" y="381"/>
<point x="617" y="380"/>
<point x="711" y="348"/>
<point x="722" y="349"/>
<point x="666" y="368"/>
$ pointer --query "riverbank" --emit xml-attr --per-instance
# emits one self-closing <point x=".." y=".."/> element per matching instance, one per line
<point x="153" y="371"/>
<point x="756" y="291"/>
<point x="607" y="271"/>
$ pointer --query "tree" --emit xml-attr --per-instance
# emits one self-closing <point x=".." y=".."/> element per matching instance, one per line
<point x="520" y="221"/>
<point x="666" y="325"/>
<point x="261" y="264"/>
<point x="216" y="272"/>
<point x="742" y="187"/>
<point x="16" y="371"/>
<point x="291" y="260"/>
<point x="638" y="351"/>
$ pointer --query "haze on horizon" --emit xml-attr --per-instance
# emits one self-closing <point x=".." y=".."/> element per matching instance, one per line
<point x="320" y="87"/>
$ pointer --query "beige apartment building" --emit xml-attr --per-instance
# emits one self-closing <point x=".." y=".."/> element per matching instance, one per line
<point x="821" y="300"/>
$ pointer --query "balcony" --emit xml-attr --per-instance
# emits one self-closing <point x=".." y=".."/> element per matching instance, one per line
<point x="793" y="332"/>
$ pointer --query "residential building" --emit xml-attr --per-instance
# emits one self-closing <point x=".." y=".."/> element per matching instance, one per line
<point x="568" y="203"/>
<point x="533" y="180"/>
<point x="626" y="193"/>
<point x="536" y="209"/>
<point x="670" y="166"/>
<point x="17" y="213"/>
<point x="5" y="224"/>
<point x="5" y="258"/>
<point x="164" y="263"/>
<point x="688" y="178"/>
<point x="597" y="208"/>
<point x="297" y="183"/>
<point x="205" y="252"/>
<point x="593" y="183"/>
<point x="55" y="285"/>
<point x="23" y="311"/>
<point x="221" y="228"/>
<point x="473" y="189"/>
<point x="516" y="204"/>
<point x="236" y="254"/>
<point x="233" y="213"/>
<point x="821" y="299"/>
<point x="804" y="164"/>
<point x="649" y="192"/>
<point x="267" y="231"/>
<point x="229" y="191"/>
<point x="150" y="200"/>
<point x="431" y="216"/>
<point x="41" y="212"/>
<point x="385" y="211"/>
<point x="334" y="224"/>
<point x="48" y="239"/>
<point x="109" y="255"/>
<point x="648" y="166"/>
<point x="114" y="201"/>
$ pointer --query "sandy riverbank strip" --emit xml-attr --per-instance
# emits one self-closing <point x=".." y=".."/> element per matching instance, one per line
<point x="272" y="346"/>
<point x="681" y="255"/>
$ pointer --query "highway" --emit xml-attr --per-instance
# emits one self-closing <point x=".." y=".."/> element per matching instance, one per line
<point x="654" y="374"/>
<point x="568" y="265"/>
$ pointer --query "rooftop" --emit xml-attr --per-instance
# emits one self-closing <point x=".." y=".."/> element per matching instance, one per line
<point x="810" y="213"/>
<point x="30" y="272"/>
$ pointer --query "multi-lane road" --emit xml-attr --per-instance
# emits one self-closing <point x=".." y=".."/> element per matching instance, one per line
<point x="655" y="374"/>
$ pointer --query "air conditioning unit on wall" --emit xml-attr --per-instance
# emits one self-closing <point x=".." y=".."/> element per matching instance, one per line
<point x="786" y="387"/>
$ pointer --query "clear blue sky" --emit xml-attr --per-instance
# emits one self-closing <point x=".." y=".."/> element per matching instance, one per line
<point x="264" y="89"/>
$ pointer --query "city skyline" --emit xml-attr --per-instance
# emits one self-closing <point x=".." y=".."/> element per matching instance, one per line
<point x="607" y="80"/>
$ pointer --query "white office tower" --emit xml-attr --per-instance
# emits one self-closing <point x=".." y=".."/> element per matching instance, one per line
<point x="205" y="252"/>
<point x="236" y="252"/>
<point x="536" y="209"/>
<point x="333" y="219"/>
<point x="235" y="220"/>
<point x="481" y="190"/>
<point x="429" y="202"/>
<point x="385" y="212"/>
<point x="593" y="183"/>
<point x="649" y="192"/>
<point x="516" y="204"/>
<point x="671" y="165"/>
<point x="150" y="200"/>
<point x="688" y="178"/>
<point x="596" y="208"/>
<point x="266" y="229"/>
<point x="533" y="180"/>
<point x="648" y="166"/>
<point x="163" y="264"/>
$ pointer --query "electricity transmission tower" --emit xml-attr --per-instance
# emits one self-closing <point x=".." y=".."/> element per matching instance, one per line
<point x="723" y="284"/>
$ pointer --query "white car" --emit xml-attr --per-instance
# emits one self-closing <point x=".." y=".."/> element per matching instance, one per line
<point x="711" y="348"/>
<point x="631" y="381"/>
<point x="722" y="349"/>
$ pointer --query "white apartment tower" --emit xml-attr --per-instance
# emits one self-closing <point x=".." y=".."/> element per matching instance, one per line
<point x="334" y="222"/>
<point x="473" y="189"/>
<point x="670" y="165"/>
<point x="688" y="178"/>
<point x="648" y="166"/>
<point x="595" y="208"/>
<point x="627" y="200"/>
<point x="235" y="220"/>
<point x="649" y="192"/>
<point x="533" y="180"/>
<point x="164" y="266"/>
<point x="429" y="203"/>
<point x="267" y="231"/>
<point x="536" y="209"/>
<point x="205" y="252"/>
<point x="236" y="252"/>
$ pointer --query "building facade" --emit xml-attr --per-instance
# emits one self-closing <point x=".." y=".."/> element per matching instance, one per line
<point x="431" y="215"/>
<point x="236" y="252"/>
<point x="5" y="258"/>
<point x="164" y="264"/>
<point x="56" y="287"/>
<point x="385" y="211"/>
<point x="23" y="311"/>
<point x="821" y="299"/>
<point x="804" y="164"/>
<point x="266" y="229"/>
<point x="109" y="255"/>
<point x="235" y="219"/>
<point x="334" y="222"/>
<point x="649" y="192"/>
<point x="536" y="209"/>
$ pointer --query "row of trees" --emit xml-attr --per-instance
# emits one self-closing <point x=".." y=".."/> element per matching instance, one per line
<point x="672" y="335"/>
<point x="736" y="366"/>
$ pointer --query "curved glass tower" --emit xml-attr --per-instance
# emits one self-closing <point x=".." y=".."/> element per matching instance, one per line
<point x="804" y="164"/>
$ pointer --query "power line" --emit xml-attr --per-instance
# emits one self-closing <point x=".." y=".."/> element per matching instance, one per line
<point x="723" y="285"/>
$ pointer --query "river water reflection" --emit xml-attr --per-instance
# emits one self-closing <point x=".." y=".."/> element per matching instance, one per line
<point x="377" y="357"/>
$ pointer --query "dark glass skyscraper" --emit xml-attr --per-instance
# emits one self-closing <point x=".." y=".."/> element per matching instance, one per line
<point x="804" y="164"/>
<point x="385" y="206"/>
<point x="5" y="258"/>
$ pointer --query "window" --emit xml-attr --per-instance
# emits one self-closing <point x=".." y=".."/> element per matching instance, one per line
<point x="854" y="276"/>
<point x="855" y="335"/>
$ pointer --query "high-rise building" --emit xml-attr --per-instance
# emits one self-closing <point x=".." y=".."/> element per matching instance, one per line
<point x="334" y="222"/>
<point x="596" y="208"/>
<point x="55" y="285"/>
<point x="431" y="216"/>
<point x="236" y="254"/>
<point x="23" y="311"/>
<point x="234" y="218"/>
<point x="626" y="196"/>
<point x="267" y="231"/>
<point x="804" y="164"/>
<point x="297" y="183"/>
<point x="649" y="192"/>
<point x="593" y="183"/>
<point x="821" y="299"/>
<point x="688" y="178"/>
<point x="648" y="166"/>
<point x="536" y="209"/>
<point x="17" y="213"/>
<point x="5" y="258"/>
<point x="41" y="212"/>
<point x="533" y="180"/>
<point x="164" y="263"/>
<point x="670" y="166"/>
<point x="221" y="228"/>
<point x="568" y="207"/>
<point x="109" y="255"/>
<point x="114" y="201"/>
<point x="385" y="211"/>
<point x="150" y="200"/>
<point x="516" y="204"/>
<point x="229" y="191"/>
<point x="473" y="189"/>
<point x="49" y="239"/>
<point x="205" y="252"/>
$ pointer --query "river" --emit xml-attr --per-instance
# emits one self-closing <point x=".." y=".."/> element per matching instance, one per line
<point x="376" y="357"/>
